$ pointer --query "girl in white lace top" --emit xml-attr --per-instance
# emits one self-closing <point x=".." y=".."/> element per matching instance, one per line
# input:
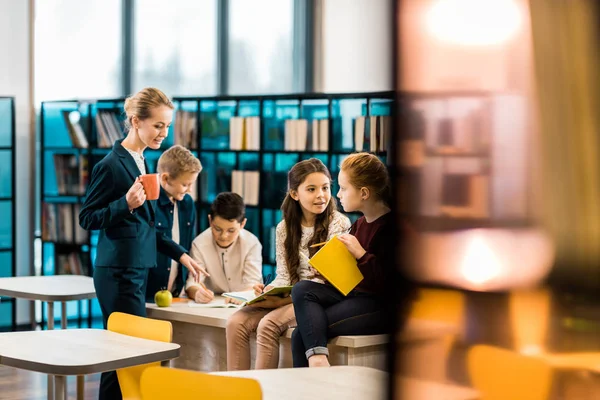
<point x="339" y="224"/>
<point x="309" y="216"/>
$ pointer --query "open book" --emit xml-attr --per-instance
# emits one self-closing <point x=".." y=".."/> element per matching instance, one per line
<point x="248" y="297"/>
<point x="337" y="265"/>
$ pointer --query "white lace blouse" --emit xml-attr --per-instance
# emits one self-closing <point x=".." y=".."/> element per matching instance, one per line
<point x="338" y="225"/>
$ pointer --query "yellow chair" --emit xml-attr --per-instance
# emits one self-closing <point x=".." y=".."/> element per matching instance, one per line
<point x="500" y="374"/>
<point x="159" y="383"/>
<point x="441" y="305"/>
<point x="146" y="328"/>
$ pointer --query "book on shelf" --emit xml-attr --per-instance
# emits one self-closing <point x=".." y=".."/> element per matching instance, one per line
<point x="247" y="185"/>
<point x="108" y="127"/>
<point x="300" y="135"/>
<point x="244" y="133"/>
<point x="57" y="224"/>
<point x="72" y="264"/>
<point x="76" y="133"/>
<point x="71" y="176"/>
<point x="185" y="129"/>
<point x="372" y="133"/>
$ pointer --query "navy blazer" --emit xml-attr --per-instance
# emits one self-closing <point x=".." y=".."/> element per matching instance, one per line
<point x="158" y="277"/>
<point x="127" y="239"/>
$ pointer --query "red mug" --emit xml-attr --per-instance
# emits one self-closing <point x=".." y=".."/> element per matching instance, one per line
<point x="151" y="185"/>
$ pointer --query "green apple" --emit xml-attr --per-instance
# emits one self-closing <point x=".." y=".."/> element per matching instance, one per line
<point x="163" y="298"/>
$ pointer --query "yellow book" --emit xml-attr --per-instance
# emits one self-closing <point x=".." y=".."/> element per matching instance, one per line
<point x="337" y="265"/>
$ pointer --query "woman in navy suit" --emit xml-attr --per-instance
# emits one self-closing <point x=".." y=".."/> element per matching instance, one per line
<point x="116" y="206"/>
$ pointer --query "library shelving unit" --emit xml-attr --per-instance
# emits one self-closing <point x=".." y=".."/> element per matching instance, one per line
<point x="246" y="144"/>
<point x="7" y="207"/>
<point x="464" y="156"/>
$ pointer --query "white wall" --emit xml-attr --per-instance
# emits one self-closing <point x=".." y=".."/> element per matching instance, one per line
<point x="356" y="46"/>
<point x="15" y="80"/>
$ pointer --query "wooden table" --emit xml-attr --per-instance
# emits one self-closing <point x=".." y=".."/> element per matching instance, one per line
<point x="347" y="382"/>
<point x="201" y="333"/>
<point x="60" y="353"/>
<point x="51" y="289"/>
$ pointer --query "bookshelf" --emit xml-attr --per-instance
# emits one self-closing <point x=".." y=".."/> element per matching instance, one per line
<point x="8" y="265"/>
<point x="454" y="153"/>
<point x="246" y="144"/>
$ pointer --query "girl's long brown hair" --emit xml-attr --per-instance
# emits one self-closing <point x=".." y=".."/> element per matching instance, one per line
<point x="292" y="215"/>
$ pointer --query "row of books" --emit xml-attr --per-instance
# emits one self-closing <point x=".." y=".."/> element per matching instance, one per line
<point x="72" y="122"/>
<point x="247" y="185"/>
<point x="467" y="131"/>
<point x="457" y="188"/>
<point x="109" y="128"/>
<point x="60" y="224"/>
<point x="72" y="264"/>
<point x="185" y="130"/>
<point x="244" y="133"/>
<point x="372" y="133"/>
<point x="302" y="135"/>
<point x="71" y="174"/>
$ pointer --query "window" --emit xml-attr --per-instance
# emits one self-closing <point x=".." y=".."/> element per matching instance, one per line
<point x="78" y="49"/>
<point x="175" y="46"/>
<point x="260" y="46"/>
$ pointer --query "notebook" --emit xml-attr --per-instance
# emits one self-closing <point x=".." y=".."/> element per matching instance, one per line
<point x="337" y="265"/>
<point x="248" y="297"/>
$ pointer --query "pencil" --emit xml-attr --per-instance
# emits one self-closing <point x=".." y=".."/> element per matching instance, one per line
<point x="318" y="244"/>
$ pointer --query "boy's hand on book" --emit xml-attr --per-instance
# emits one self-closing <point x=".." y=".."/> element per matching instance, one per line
<point x="352" y="244"/>
<point x="194" y="268"/>
<point x="136" y="196"/>
<point x="204" y="295"/>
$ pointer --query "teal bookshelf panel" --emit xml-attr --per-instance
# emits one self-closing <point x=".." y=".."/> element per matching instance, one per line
<point x="6" y="239"/>
<point x="6" y="122"/>
<point x="344" y="113"/>
<point x="5" y="314"/>
<point x="248" y="161"/>
<point x="152" y="157"/>
<point x="275" y="112"/>
<point x="5" y="264"/>
<point x="381" y="107"/>
<point x="6" y="173"/>
<point x="48" y="265"/>
<point x="249" y="108"/>
<point x="253" y="224"/>
<point x="216" y="174"/>
<point x="215" y="117"/>
<point x="314" y="109"/>
<point x="270" y="220"/>
<point x="275" y="169"/>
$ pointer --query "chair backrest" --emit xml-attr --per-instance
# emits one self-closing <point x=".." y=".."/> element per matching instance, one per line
<point x="145" y="328"/>
<point x="159" y="383"/>
<point x="500" y="374"/>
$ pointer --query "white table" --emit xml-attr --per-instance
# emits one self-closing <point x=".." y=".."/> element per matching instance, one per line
<point x="51" y="289"/>
<point x="346" y="382"/>
<point x="60" y="353"/>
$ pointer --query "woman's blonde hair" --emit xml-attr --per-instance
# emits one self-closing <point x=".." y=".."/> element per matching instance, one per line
<point x="142" y="103"/>
<point x="178" y="160"/>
